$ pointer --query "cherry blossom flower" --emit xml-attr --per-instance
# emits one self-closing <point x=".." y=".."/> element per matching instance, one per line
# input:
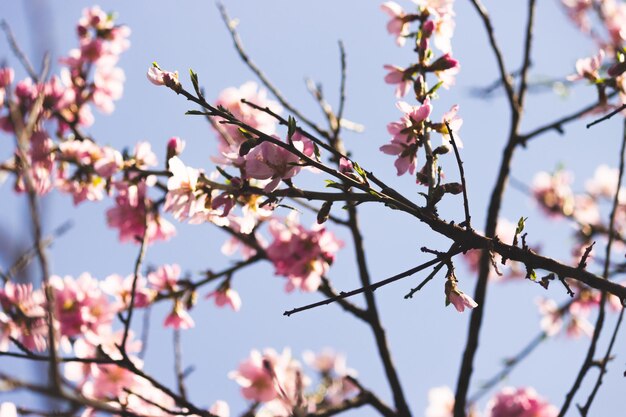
<point x="129" y="216"/>
<point x="604" y="182"/>
<point x="183" y="192"/>
<point x="396" y="75"/>
<point x="230" y="138"/>
<point x="520" y="402"/>
<point x="458" y="298"/>
<point x="121" y="289"/>
<point x="553" y="192"/>
<point x="270" y="161"/>
<point x="587" y="68"/>
<point x="179" y="318"/>
<point x="398" y="24"/>
<point x="256" y="380"/>
<point x="551" y="318"/>
<point x="81" y="305"/>
<point x="405" y="132"/>
<point x="159" y="77"/>
<point x="226" y="296"/>
<point x="24" y="316"/>
<point x="165" y="278"/>
<point x="301" y="255"/>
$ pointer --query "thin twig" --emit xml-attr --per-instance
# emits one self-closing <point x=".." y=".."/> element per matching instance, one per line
<point x="136" y="274"/>
<point x="607" y="117"/>
<point x="371" y="287"/>
<point x="468" y="224"/>
<point x="589" y="358"/>
<point x="231" y="25"/>
<point x="178" y="364"/>
<point x="584" y="410"/>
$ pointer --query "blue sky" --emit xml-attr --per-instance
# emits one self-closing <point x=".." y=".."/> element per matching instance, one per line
<point x="292" y="40"/>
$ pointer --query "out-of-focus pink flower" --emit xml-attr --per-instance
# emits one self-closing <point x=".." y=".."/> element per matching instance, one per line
<point x="396" y="76"/>
<point x="81" y="305"/>
<point x="6" y="76"/>
<point x="577" y="11"/>
<point x="604" y="182"/>
<point x="440" y="402"/>
<point x="41" y="160"/>
<point x="553" y="192"/>
<point x="327" y="361"/>
<point x="175" y="147"/>
<point x="108" y="87"/>
<point x="179" y="318"/>
<point x="121" y="289"/>
<point x="130" y="218"/>
<point x="301" y="255"/>
<point x="520" y="402"/>
<point x="270" y="376"/>
<point x="551" y="318"/>
<point x="586" y="210"/>
<point x="165" y="278"/>
<point x="230" y="98"/>
<point x="398" y="24"/>
<point x="226" y="296"/>
<point x="587" y="68"/>
<point x="220" y="409"/>
<point x="455" y="123"/>
<point x="256" y="380"/>
<point x="25" y="316"/>
<point x="404" y="140"/>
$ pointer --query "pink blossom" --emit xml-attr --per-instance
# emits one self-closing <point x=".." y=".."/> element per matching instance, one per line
<point x="121" y="289"/>
<point x="226" y="296"/>
<point x="230" y="138"/>
<point x="398" y="24"/>
<point x="269" y="376"/>
<point x="586" y="210"/>
<point x="460" y="300"/>
<point x="25" y="316"/>
<point x="396" y="75"/>
<point x="587" y="68"/>
<point x="551" y="318"/>
<point x="604" y="182"/>
<point x="520" y="402"/>
<point x="41" y="161"/>
<point x="404" y="140"/>
<point x="144" y="156"/>
<point x="130" y="217"/>
<point x="165" y="278"/>
<point x="553" y="192"/>
<point x="183" y="192"/>
<point x="577" y="11"/>
<point x="7" y="75"/>
<point x="270" y="161"/>
<point x="179" y="318"/>
<point x="327" y="361"/>
<point x="159" y="77"/>
<point x="455" y="122"/>
<point x="81" y="305"/>
<point x="175" y="147"/>
<point x="301" y="255"/>
<point x="108" y="87"/>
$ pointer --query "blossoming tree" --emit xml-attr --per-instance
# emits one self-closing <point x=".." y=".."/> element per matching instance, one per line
<point x="290" y="193"/>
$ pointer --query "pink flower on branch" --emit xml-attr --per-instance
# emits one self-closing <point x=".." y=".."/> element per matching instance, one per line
<point x="406" y="134"/>
<point x="301" y="255"/>
<point x="398" y="76"/>
<point x="398" y="24"/>
<point x="520" y="402"/>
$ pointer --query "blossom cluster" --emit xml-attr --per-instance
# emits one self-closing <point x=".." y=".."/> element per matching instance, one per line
<point x="508" y="402"/>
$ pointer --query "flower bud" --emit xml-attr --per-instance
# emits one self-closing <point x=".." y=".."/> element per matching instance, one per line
<point x="617" y="69"/>
<point x="443" y="63"/>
